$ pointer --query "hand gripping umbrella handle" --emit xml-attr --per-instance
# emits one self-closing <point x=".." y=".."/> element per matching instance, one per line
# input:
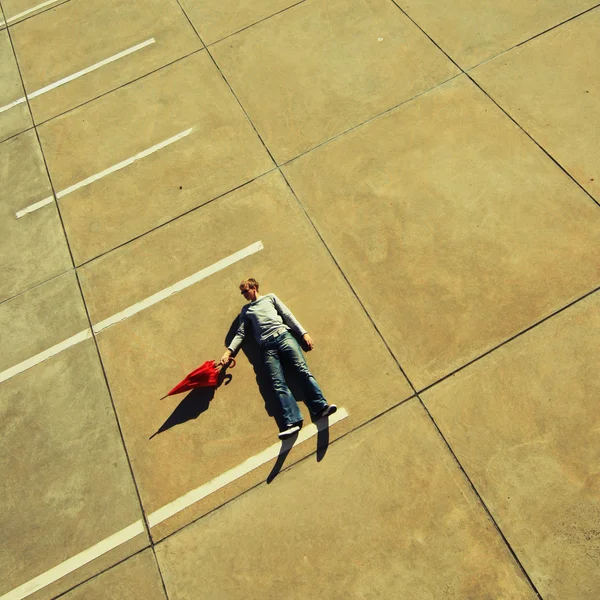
<point x="230" y="364"/>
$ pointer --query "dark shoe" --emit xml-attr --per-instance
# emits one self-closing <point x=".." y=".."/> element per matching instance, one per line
<point x="289" y="432"/>
<point x="328" y="410"/>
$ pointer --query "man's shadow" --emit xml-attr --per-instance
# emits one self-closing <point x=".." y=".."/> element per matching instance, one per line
<point x="194" y="404"/>
<point x="253" y="353"/>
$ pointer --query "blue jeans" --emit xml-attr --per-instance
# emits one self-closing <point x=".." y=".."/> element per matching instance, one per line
<point x="285" y="348"/>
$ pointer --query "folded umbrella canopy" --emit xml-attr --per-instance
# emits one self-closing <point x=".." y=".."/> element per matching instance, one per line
<point x="206" y="375"/>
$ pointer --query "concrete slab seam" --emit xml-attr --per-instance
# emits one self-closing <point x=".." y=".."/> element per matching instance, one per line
<point x="354" y="292"/>
<point x="373" y="118"/>
<point x="193" y="496"/>
<point x="256" y="22"/>
<point x="508" y="340"/>
<point x="175" y="218"/>
<point x="89" y="180"/>
<point x="27" y="12"/>
<point x="78" y="74"/>
<point x="427" y="35"/>
<point x="118" y="87"/>
<point x="587" y="10"/>
<point x="130" y="311"/>
<point x="308" y="216"/>
<point x="140" y="505"/>
<point x="242" y="107"/>
<point x="169" y="510"/>
<point x="530" y="136"/>
<point x="196" y="32"/>
<point x="278" y="167"/>
<point x="75" y="562"/>
<point x="503" y="51"/>
<point x="479" y="498"/>
<point x="103" y="569"/>
<point x="35" y="285"/>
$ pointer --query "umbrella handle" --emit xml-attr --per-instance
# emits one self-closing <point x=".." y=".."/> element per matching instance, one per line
<point x="230" y="364"/>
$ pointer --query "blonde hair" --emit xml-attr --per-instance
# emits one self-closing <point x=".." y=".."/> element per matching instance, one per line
<point x="250" y="283"/>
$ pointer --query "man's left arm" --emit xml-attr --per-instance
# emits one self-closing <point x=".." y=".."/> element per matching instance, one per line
<point x="292" y="322"/>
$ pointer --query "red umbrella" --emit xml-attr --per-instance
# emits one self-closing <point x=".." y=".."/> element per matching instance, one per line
<point x="206" y="375"/>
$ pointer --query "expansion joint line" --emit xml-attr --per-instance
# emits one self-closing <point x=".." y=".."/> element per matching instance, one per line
<point x="480" y="499"/>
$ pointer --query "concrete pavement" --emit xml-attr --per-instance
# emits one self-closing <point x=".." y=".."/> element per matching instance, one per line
<point x="418" y="182"/>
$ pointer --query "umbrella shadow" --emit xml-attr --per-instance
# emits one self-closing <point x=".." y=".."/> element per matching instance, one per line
<point x="193" y="404"/>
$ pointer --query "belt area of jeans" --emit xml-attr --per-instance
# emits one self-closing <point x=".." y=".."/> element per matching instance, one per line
<point x="274" y="335"/>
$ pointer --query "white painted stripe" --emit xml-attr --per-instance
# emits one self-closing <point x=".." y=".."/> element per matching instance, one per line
<point x="123" y="164"/>
<point x="29" y="10"/>
<point x="132" y="310"/>
<point x="74" y="563"/>
<point x="38" y="358"/>
<point x="106" y="172"/>
<point x="242" y="469"/>
<point x="87" y="70"/>
<point x="64" y="80"/>
<point x="123" y="536"/>
<point x="180" y="285"/>
<point x="35" y="206"/>
<point x="19" y="101"/>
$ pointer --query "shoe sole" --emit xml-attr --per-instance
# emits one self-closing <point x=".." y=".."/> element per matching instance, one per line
<point x="286" y="435"/>
<point x="329" y="411"/>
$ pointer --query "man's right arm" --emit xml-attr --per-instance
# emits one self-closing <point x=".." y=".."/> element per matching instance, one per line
<point x="237" y="340"/>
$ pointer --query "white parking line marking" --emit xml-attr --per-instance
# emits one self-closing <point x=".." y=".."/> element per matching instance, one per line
<point x="132" y="310"/>
<point x="74" y="563"/>
<point x="35" y="206"/>
<point x="240" y="470"/>
<point x="180" y="285"/>
<point x="38" y="358"/>
<point x="28" y="11"/>
<point x="169" y="510"/>
<point x="123" y="164"/>
<point x="87" y="70"/>
<point x="108" y="171"/>
<point x="19" y="101"/>
<point x="64" y="80"/>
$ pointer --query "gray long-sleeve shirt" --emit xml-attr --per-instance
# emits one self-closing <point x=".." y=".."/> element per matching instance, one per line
<point x="267" y="315"/>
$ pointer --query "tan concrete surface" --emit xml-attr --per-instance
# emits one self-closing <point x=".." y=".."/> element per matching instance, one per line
<point x="324" y="66"/>
<point x="442" y="230"/>
<point x="76" y="35"/>
<point x="18" y="118"/>
<point x="149" y="353"/>
<point x="41" y="318"/>
<point x="471" y="32"/>
<point x="19" y="10"/>
<point x="33" y="248"/>
<point x="91" y="569"/>
<point x="454" y="242"/>
<point x="135" y="579"/>
<point x="386" y="515"/>
<point x="221" y="153"/>
<point x="551" y="87"/>
<point x="65" y="479"/>
<point x="217" y="19"/>
<point x="524" y="423"/>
